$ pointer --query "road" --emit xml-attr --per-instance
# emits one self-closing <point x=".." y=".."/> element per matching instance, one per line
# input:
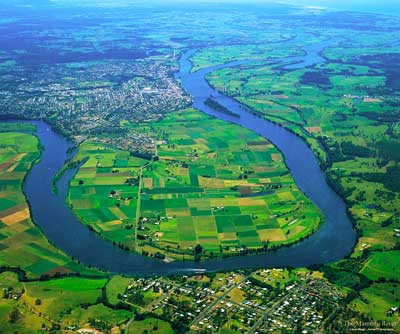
<point x="274" y="306"/>
<point x="138" y="207"/>
<point x="215" y="302"/>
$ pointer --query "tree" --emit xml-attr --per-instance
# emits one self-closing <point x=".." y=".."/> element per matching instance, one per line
<point x="14" y="315"/>
<point x="198" y="249"/>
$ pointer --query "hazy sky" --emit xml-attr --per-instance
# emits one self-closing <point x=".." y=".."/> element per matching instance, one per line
<point x="379" y="6"/>
<point x="348" y="3"/>
<point x="382" y="6"/>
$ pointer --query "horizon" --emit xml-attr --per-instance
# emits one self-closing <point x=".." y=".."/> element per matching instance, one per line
<point x="390" y="7"/>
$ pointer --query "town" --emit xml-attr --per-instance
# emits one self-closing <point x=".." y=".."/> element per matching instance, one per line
<point x="92" y="99"/>
<point x="263" y="301"/>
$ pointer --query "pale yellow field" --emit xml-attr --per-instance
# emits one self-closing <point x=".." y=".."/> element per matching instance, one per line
<point x="223" y="201"/>
<point x="16" y="217"/>
<point x="227" y="236"/>
<point x="232" y="183"/>
<point x="258" y="148"/>
<point x="250" y="202"/>
<point x="183" y="171"/>
<point x="17" y="158"/>
<point x="297" y="229"/>
<point x="237" y="296"/>
<point x="265" y="180"/>
<point x="178" y="212"/>
<point x="272" y="234"/>
<point x="286" y="196"/>
<point x="210" y="183"/>
<point x="148" y="182"/>
<point x="110" y="226"/>
<point x="199" y="203"/>
<point x="314" y="129"/>
<point x="276" y="157"/>
<point x="83" y="204"/>
<point x="118" y="212"/>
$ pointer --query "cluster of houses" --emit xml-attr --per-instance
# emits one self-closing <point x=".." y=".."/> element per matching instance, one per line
<point x="236" y="302"/>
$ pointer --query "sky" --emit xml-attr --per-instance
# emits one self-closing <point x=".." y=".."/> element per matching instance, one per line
<point x="376" y="6"/>
<point x="391" y="7"/>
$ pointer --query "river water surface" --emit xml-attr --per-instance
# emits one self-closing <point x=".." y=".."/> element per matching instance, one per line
<point x="334" y="240"/>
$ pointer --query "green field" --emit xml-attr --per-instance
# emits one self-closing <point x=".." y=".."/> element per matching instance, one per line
<point x="378" y="300"/>
<point x="22" y="244"/>
<point x="104" y="192"/>
<point x="104" y="75"/>
<point x="150" y="325"/>
<point x="214" y="184"/>
<point x="72" y="300"/>
<point x="347" y="110"/>
<point x="28" y="307"/>
<point x="116" y="287"/>
<point x="383" y="265"/>
<point x="347" y="113"/>
<point x="216" y="55"/>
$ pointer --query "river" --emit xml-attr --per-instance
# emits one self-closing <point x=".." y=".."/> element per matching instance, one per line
<point x="333" y="241"/>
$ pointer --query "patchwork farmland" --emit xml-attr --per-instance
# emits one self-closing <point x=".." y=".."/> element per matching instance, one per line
<point x="22" y="244"/>
<point x="214" y="189"/>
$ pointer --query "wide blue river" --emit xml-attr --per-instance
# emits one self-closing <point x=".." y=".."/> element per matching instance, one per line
<point x="333" y="241"/>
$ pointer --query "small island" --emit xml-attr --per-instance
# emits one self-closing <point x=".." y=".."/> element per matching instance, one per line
<point x="213" y="104"/>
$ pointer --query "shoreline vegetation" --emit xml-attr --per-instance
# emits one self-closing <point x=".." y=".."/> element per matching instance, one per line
<point x="182" y="175"/>
<point x="23" y="151"/>
<point x="376" y="236"/>
<point x="324" y="163"/>
<point x="213" y="104"/>
<point x="160" y="179"/>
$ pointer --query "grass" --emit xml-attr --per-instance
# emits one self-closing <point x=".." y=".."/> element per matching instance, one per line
<point x="344" y="108"/>
<point x="377" y="300"/>
<point x="345" y="103"/>
<point x="68" y="301"/>
<point x="104" y="192"/>
<point x="116" y="286"/>
<point x="273" y="277"/>
<point x="382" y="265"/>
<point x="59" y="297"/>
<point x="22" y="244"/>
<point x="215" y="55"/>
<point x="65" y="301"/>
<point x="72" y="300"/>
<point x="150" y="325"/>
<point x="213" y="184"/>
<point x="27" y="322"/>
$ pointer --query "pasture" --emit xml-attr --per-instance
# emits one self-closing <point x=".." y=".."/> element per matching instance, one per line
<point x="104" y="192"/>
<point x="214" y="184"/>
<point x="382" y="265"/>
<point x="150" y="325"/>
<point x="345" y="111"/>
<point x="22" y="244"/>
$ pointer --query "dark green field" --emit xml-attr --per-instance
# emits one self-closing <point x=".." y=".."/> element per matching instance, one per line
<point x="38" y="305"/>
<point x="22" y="244"/>
<point x="166" y="181"/>
<point x="347" y="110"/>
<point x="215" y="185"/>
